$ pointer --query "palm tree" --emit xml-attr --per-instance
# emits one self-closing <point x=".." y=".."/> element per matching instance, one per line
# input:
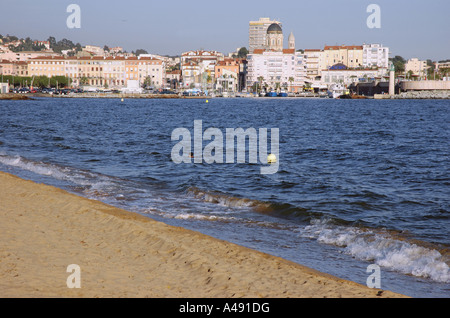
<point x="291" y="80"/>
<point x="260" y="79"/>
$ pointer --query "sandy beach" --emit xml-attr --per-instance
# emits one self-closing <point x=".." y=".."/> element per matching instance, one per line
<point x="44" y="229"/>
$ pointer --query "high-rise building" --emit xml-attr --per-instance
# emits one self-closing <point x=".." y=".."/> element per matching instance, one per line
<point x="258" y="33"/>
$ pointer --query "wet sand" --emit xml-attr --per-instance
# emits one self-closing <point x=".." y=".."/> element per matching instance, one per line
<point x="44" y="229"/>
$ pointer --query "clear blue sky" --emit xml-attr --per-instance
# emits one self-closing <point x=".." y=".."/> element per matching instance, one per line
<point x="410" y="28"/>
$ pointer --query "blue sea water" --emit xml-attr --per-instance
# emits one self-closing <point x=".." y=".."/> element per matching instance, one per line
<point x="360" y="182"/>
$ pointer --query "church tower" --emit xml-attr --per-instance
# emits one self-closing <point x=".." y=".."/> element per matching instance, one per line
<point x="291" y="40"/>
<point x="275" y="37"/>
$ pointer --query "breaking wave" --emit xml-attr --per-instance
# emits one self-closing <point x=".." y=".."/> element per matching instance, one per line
<point x="229" y="201"/>
<point x="383" y="249"/>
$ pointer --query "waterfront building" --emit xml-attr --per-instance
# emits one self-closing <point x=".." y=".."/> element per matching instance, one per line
<point x="227" y="65"/>
<point x="276" y="70"/>
<point x="150" y="71"/>
<point x="313" y="60"/>
<point x="16" y="68"/>
<point x="101" y="72"/>
<point x="90" y="71"/>
<point x="114" y="72"/>
<point x="47" y="66"/>
<point x="173" y="79"/>
<point x="417" y="67"/>
<point x="191" y="74"/>
<point x="258" y="33"/>
<point x="227" y="74"/>
<point x="375" y="55"/>
<point x="6" y="67"/>
<point x="198" y="67"/>
<point x="339" y="74"/>
<point x="350" y="56"/>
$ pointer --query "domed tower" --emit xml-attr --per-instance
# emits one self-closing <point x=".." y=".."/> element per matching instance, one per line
<point x="275" y="37"/>
<point x="291" y="41"/>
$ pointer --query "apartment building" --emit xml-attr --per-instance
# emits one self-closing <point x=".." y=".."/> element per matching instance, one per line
<point x="281" y="69"/>
<point x="416" y="66"/>
<point x="350" y="56"/>
<point x="375" y="55"/>
<point x="313" y="60"/>
<point x="198" y="66"/>
<point x="111" y="72"/>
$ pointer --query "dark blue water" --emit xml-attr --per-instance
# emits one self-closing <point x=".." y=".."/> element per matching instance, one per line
<point x="360" y="182"/>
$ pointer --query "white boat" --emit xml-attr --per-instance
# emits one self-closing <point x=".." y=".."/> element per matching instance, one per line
<point x="336" y="90"/>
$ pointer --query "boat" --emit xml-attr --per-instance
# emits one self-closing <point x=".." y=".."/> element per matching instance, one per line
<point x="271" y="94"/>
<point x="355" y="96"/>
<point x="282" y="94"/>
<point x="336" y="91"/>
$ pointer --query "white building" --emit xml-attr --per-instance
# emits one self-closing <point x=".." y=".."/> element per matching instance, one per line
<point x="94" y="50"/>
<point x="375" y="55"/>
<point x="282" y="69"/>
<point x="349" y="76"/>
<point x="313" y="60"/>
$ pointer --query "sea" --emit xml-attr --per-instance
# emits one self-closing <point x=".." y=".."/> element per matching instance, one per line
<point x="360" y="184"/>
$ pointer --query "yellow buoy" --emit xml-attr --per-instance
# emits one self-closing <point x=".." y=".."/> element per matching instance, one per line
<point x="271" y="158"/>
<point x="207" y="101"/>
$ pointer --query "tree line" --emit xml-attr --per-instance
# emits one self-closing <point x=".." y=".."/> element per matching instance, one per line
<point x="37" y="81"/>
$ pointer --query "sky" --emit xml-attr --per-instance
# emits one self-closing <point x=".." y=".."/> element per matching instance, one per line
<point x="410" y="28"/>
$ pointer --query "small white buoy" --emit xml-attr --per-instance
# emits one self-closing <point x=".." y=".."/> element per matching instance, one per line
<point x="271" y="158"/>
<point x="121" y="100"/>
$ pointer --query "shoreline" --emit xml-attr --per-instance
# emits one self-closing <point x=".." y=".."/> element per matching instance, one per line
<point x="124" y="254"/>
<point x="403" y="96"/>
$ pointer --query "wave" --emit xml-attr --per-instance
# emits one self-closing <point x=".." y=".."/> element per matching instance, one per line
<point x="229" y="201"/>
<point x="93" y="185"/>
<point x="383" y="248"/>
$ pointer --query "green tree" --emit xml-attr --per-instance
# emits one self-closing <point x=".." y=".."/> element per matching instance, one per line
<point x="260" y="80"/>
<point x="84" y="80"/>
<point x="399" y="63"/>
<point x="140" y="51"/>
<point x="147" y="82"/>
<point x="409" y="74"/>
<point x="242" y="53"/>
<point x="291" y="80"/>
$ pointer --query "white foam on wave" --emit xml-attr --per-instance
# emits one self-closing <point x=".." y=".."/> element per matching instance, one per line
<point x="96" y="184"/>
<point x="36" y="167"/>
<point x="226" y="200"/>
<point x="382" y="249"/>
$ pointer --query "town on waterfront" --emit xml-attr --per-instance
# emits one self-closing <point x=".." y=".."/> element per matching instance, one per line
<point x="261" y="149"/>
<point x="263" y="68"/>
